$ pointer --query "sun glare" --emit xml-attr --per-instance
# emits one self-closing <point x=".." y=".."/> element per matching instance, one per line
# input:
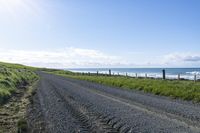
<point x="10" y="3"/>
<point x="11" y="6"/>
<point x="16" y="7"/>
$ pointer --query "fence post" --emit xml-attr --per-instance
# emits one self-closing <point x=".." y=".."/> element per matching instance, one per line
<point x="97" y="73"/>
<point x="179" y="76"/>
<point x="163" y="71"/>
<point x="145" y="75"/>
<point x="109" y="72"/>
<point x="195" y="78"/>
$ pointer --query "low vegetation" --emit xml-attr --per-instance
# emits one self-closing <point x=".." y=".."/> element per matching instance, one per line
<point x="15" y="91"/>
<point x="11" y="77"/>
<point x="183" y="89"/>
<point x="22" y="126"/>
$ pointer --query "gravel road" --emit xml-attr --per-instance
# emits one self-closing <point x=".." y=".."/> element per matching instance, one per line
<point x="72" y="106"/>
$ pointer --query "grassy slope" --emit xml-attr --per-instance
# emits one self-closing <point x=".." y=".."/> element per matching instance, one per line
<point x="186" y="90"/>
<point x="16" y="84"/>
<point x="12" y="76"/>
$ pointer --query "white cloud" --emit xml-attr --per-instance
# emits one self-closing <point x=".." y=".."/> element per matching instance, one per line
<point x="186" y="59"/>
<point x="62" y="58"/>
<point x="76" y="57"/>
<point x="192" y="58"/>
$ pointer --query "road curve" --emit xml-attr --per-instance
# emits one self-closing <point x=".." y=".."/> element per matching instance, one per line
<point x="71" y="105"/>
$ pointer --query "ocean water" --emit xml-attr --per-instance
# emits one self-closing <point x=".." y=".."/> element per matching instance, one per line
<point x="171" y="73"/>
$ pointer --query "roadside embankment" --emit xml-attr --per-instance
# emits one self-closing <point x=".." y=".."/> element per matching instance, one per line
<point x="16" y="86"/>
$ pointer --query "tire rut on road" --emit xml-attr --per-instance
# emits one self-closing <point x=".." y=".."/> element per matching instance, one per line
<point x="89" y="118"/>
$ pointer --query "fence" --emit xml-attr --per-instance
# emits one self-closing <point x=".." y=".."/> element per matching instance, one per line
<point x="162" y="75"/>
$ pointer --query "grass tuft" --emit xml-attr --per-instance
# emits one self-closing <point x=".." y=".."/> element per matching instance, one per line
<point x="22" y="126"/>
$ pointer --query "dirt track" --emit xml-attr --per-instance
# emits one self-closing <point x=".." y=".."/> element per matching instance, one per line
<point x="70" y="105"/>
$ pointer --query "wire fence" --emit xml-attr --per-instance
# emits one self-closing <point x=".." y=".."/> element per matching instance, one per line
<point x="161" y="75"/>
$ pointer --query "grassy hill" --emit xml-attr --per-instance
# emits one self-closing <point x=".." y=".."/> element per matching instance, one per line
<point x="12" y="76"/>
<point x="16" y="87"/>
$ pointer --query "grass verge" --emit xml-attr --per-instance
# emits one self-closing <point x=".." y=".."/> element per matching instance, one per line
<point x="16" y="83"/>
<point x="183" y="89"/>
<point x="13" y="113"/>
<point x="12" y="76"/>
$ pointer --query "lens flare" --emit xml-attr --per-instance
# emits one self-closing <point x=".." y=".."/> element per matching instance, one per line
<point x="10" y="4"/>
<point x="13" y="7"/>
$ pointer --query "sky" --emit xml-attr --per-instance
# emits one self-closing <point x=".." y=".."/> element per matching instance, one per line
<point x="100" y="33"/>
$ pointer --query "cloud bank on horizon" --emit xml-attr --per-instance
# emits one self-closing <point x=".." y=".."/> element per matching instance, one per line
<point x="62" y="58"/>
<point x="80" y="58"/>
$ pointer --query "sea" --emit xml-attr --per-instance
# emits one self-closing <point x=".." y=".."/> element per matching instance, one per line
<point x="171" y="73"/>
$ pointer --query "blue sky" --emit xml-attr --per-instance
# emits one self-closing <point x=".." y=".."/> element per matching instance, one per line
<point x="100" y="33"/>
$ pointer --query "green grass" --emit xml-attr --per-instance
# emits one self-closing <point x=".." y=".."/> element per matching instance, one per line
<point x="13" y="75"/>
<point x="22" y="126"/>
<point x="183" y="89"/>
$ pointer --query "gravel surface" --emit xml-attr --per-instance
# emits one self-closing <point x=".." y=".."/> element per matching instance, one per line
<point x="70" y="105"/>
